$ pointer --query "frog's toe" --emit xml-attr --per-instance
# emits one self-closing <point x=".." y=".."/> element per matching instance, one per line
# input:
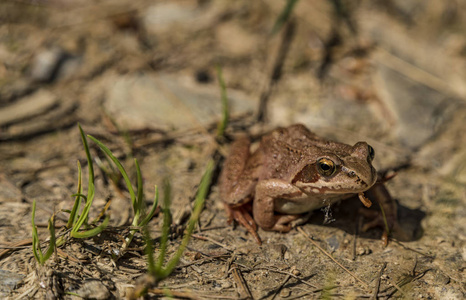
<point x="283" y="223"/>
<point x="302" y="219"/>
<point x="242" y="216"/>
<point x="377" y="222"/>
<point x="281" y="228"/>
<point x="375" y="217"/>
<point x="369" y="213"/>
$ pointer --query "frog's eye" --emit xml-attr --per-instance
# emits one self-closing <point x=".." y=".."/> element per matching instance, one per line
<point x="326" y="167"/>
<point x="371" y="153"/>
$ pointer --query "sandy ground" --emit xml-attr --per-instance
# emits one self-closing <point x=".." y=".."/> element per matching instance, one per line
<point x="141" y="77"/>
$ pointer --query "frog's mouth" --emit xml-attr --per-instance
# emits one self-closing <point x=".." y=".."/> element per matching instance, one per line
<point x="367" y="203"/>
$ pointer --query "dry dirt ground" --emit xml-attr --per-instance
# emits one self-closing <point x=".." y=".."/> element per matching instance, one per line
<point x="140" y="76"/>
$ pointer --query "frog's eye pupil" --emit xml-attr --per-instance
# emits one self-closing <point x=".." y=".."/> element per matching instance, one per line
<point x="326" y="167"/>
<point x="371" y="153"/>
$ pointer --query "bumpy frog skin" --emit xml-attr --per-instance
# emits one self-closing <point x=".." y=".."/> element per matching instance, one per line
<point x="292" y="172"/>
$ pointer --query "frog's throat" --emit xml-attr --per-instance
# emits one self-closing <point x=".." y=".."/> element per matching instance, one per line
<point x="323" y="190"/>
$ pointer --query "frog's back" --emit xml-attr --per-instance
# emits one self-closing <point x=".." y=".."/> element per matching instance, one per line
<point x="282" y="150"/>
<point x="286" y="149"/>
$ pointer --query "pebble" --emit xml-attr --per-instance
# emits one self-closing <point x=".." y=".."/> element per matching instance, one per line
<point x="8" y="281"/>
<point x="94" y="289"/>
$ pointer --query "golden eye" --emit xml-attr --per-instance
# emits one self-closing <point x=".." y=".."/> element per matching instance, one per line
<point x="326" y="167"/>
<point x="371" y="153"/>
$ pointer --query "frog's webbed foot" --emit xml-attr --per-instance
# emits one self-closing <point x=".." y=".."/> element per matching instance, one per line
<point x="242" y="216"/>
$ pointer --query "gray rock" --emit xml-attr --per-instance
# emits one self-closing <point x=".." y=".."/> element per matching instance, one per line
<point x="418" y="109"/>
<point x="45" y="64"/>
<point x="28" y="107"/>
<point x="53" y="64"/>
<point x="166" y="102"/>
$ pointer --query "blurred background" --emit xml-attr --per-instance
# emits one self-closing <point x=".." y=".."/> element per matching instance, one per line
<point x="141" y="76"/>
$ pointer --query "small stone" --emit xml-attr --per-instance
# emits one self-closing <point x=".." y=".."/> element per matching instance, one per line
<point x="287" y="255"/>
<point x="285" y="292"/>
<point x="333" y="243"/>
<point x="295" y="271"/>
<point x="46" y="64"/>
<point x="226" y="284"/>
<point x="441" y="278"/>
<point x="8" y="281"/>
<point x="277" y="251"/>
<point x="94" y="289"/>
<point x="234" y="40"/>
<point x="363" y="251"/>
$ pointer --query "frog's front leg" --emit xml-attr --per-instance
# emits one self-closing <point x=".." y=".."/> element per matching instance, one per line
<point x="379" y="193"/>
<point x="264" y="204"/>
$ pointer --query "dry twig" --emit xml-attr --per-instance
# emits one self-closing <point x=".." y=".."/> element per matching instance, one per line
<point x="331" y="257"/>
<point x="377" y="284"/>
<point x="241" y="284"/>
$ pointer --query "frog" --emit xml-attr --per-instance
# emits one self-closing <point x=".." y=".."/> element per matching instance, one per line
<point x="293" y="172"/>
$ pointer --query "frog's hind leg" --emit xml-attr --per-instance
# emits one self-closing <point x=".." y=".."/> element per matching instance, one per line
<point x="237" y="186"/>
<point x="234" y="187"/>
<point x="242" y="216"/>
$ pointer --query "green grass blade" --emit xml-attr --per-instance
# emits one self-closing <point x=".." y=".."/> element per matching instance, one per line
<point x="88" y="155"/>
<point x="91" y="232"/>
<point x="52" y="241"/>
<point x="77" y="195"/>
<point x="77" y="201"/>
<point x="149" y="216"/>
<point x="284" y="16"/>
<point x="166" y="224"/>
<point x="198" y="206"/>
<point x="40" y="257"/>
<point x="36" y="249"/>
<point x="85" y="213"/>
<point x="145" y="220"/>
<point x="119" y="166"/>
<point x="149" y="251"/>
<point x="109" y="169"/>
<point x="225" y="113"/>
<point x="84" y="216"/>
<point x="387" y="228"/>
<point x="35" y="238"/>
<point x="139" y="207"/>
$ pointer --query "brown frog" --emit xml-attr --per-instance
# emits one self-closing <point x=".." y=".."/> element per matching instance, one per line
<point x="292" y="172"/>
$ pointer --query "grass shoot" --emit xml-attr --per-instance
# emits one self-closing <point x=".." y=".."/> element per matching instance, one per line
<point x="36" y="249"/>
